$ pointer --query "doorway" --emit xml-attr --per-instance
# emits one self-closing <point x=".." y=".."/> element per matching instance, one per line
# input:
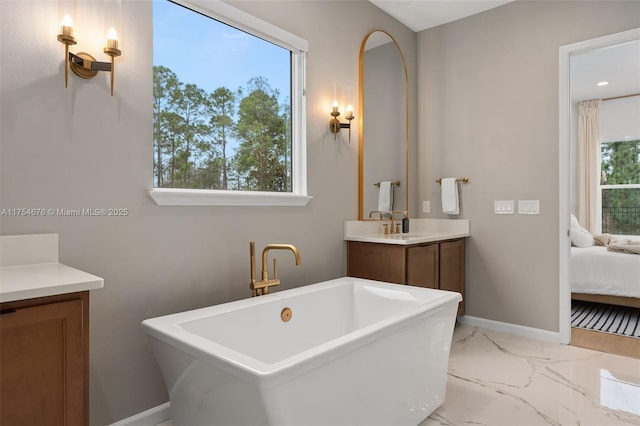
<point x="567" y="125"/>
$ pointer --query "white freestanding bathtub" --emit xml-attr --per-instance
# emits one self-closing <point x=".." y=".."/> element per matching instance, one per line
<point x="354" y="352"/>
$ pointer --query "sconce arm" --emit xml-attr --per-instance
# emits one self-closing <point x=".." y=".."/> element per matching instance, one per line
<point x="88" y="63"/>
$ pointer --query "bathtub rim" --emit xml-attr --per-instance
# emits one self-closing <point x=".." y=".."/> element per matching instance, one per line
<point x="167" y="329"/>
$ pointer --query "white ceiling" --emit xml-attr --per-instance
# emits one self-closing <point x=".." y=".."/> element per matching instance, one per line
<point x="619" y="65"/>
<point x="422" y="14"/>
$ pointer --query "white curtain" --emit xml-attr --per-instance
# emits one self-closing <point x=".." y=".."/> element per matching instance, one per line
<point x="588" y="158"/>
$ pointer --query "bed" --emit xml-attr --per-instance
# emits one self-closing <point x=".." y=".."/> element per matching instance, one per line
<point x="600" y="275"/>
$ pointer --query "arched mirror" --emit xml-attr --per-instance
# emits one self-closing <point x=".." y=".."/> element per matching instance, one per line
<point x="384" y="123"/>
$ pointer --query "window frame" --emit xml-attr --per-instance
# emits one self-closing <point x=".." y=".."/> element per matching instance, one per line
<point x="601" y="187"/>
<point x="299" y="47"/>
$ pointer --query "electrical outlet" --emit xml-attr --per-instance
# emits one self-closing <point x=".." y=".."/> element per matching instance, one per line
<point x="503" y="207"/>
<point x="528" y="206"/>
<point x="426" y="206"/>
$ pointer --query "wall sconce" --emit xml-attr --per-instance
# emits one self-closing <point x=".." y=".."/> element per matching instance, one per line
<point x="83" y="64"/>
<point x="335" y="125"/>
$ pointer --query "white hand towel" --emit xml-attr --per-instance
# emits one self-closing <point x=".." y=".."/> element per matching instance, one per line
<point x="385" y="197"/>
<point x="450" y="203"/>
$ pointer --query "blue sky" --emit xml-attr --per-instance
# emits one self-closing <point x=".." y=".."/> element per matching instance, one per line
<point x="205" y="52"/>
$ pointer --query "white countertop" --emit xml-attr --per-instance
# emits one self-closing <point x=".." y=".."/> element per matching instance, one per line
<point x="30" y="268"/>
<point x="421" y="231"/>
<point x="44" y="279"/>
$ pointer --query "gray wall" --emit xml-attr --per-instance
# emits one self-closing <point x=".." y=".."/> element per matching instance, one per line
<point x="488" y="96"/>
<point x="80" y="148"/>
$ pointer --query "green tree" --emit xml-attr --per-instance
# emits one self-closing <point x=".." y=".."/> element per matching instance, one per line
<point x="190" y="106"/>
<point x="179" y="125"/>
<point x="165" y="82"/>
<point x="208" y="174"/>
<point x="222" y="106"/>
<point x="193" y="131"/>
<point x="261" y="130"/>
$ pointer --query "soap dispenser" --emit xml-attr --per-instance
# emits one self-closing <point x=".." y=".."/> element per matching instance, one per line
<point x="405" y="225"/>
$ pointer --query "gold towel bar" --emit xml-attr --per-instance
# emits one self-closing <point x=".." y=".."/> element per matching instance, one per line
<point x="395" y="183"/>
<point x="463" y="180"/>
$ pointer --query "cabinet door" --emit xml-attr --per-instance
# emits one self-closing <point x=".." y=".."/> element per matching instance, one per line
<point x="452" y="268"/>
<point x="41" y="368"/>
<point x="422" y="266"/>
<point x="382" y="262"/>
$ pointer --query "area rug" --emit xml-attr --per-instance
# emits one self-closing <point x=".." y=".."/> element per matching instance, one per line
<point x="619" y="320"/>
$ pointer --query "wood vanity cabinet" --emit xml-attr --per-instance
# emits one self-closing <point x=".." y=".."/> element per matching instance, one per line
<point x="452" y="268"/>
<point x="44" y="362"/>
<point x="433" y="265"/>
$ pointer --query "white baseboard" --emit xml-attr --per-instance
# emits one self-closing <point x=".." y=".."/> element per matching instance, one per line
<point x="152" y="417"/>
<point x="520" y="330"/>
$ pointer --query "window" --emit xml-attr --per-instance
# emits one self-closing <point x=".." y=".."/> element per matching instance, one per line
<point x="620" y="187"/>
<point x="229" y="108"/>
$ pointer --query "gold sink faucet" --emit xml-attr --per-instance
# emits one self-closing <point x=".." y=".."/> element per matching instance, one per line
<point x="262" y="287"/>
<point x="396" y="230"/>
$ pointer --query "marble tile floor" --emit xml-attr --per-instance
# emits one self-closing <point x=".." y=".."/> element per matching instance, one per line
<point x="502" y="379"/>
<point x="499" y="379"/>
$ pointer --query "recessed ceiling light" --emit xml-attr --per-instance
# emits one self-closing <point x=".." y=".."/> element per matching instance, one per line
<point x="602" y="83"/>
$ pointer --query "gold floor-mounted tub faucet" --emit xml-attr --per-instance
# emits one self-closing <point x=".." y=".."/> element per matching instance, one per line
<point x="262" y="287"/>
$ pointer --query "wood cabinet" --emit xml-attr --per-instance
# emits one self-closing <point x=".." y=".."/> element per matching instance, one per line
<point x="433" y="265"/>
<point x="452" y="268"/>
<point x="423" y="265"/>
<point x="44" y="361"/>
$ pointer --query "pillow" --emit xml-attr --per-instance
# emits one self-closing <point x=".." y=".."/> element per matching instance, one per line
<point x="580" y="237"/>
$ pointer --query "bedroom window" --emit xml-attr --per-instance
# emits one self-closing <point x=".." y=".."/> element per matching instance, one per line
<point x="229" y="108"/>
<point x="620" y="187"/>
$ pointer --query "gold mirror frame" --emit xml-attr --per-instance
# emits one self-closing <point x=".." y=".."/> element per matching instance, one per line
<point x="361" y="122"/>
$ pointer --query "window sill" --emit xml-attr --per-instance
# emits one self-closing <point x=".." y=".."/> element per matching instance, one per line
<point x="207" y="197"/>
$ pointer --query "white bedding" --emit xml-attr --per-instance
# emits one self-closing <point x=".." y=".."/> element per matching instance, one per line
<point x="595" y="270"/>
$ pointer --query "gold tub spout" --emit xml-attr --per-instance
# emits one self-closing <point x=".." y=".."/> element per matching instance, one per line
<point x="262" y="287"/>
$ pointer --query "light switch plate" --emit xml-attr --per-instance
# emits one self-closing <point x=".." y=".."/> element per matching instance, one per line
<point x="528" y="206"/>
<point x="426" y="206"/>
<point x="503" y="207"/>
